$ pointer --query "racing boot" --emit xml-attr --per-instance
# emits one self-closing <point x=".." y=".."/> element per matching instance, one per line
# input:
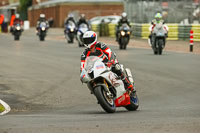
<point x="127" y="84"/>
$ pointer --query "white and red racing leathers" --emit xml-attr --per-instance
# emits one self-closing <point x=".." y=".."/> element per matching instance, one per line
<point x="109" y="58"/>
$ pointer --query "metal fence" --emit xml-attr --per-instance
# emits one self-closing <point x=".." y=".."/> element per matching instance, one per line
<point x="174" y="11"/>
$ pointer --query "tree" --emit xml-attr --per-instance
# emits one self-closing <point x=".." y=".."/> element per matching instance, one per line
<point x="24" y="5"/>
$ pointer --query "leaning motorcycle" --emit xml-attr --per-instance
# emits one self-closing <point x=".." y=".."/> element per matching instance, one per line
<point x="159" y="35"/>
<point x="17" y="31"/>
<point x="70" y="31"/>
<point x="124" y="36"/>
<point x="42" y="31"/>
<point x="81" y="30"/>
<point x="107" y="86"/>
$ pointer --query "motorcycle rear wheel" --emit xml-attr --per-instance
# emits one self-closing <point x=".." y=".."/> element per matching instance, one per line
<point x="134" y="103"/>
<point x="106" y="103"/>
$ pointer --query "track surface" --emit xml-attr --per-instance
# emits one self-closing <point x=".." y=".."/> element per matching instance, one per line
<point x="40" y="81"/>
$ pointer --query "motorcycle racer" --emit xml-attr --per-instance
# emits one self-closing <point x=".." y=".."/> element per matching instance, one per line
<point x="17" y="20"/>
<point x="42" y="18"/>
<point x="158" y="20"/>
<point x="122" y="21"/>
<point x="82" y="20"/>
<point x="94" y="48"/>
<point x="70" y="18"/>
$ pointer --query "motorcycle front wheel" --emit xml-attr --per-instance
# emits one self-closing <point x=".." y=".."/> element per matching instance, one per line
<point x="16" y="37"/>
<point x="41" y="38"/>
<point x="106" y="103"/>
<point x="160" y="46"/>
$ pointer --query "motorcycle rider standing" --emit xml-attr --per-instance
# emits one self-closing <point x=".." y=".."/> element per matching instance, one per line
<point x="158" y="20"/>
<point x="122" y="21"/>
<point x="94" y="48"/>
<point x="41" y="19"/>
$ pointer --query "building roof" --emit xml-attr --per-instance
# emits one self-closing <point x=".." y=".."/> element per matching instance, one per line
<point x="56" y="2"/>
<point x="53" y="2"/>
<point x="11" y="6"/>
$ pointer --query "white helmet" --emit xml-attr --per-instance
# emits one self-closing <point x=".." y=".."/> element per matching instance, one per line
<point x="42" y="15"/>
<point x="89" y="39"/>
<point x="17" y="15"/>
<point x="70" y="15"/>
<point x="124" y="15"/>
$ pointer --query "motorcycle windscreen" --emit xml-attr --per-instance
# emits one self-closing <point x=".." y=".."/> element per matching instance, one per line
<point x="99" y="68"/>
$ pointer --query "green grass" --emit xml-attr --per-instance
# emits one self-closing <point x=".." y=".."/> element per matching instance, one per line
<point x="2" y="108"/>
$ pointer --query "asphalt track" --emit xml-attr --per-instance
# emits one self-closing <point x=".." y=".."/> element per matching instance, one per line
<point x="40" y="82"/>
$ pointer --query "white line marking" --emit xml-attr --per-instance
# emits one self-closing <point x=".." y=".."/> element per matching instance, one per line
<point x="6" y="106"/>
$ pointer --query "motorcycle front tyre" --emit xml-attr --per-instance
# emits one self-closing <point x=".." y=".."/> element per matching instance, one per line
<point x="99" y="93"/>
<point x="16" y="37"/>
<point x="161" y="43"/>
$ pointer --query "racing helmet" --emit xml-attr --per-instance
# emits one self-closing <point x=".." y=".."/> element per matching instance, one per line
<point x="89" y="39"/>
<point x="158" y="17"/>
<point x="42" y="15"/>
<point x="82" y="17"/>
<point x="70" y="15"/>
<point x="124" y="15"/>
<point x="17" y="16"/>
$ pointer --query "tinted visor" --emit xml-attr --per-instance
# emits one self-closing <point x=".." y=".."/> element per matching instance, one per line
<point x="88" y="40"/>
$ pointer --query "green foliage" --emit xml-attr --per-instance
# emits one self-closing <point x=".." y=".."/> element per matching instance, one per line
<point x="24" y="4"/>
<point x="2" y="108"/>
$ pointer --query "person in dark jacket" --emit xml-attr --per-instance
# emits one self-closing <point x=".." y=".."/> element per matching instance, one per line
<point x="70" y="19"/>
<point x="41" y="19"/>
<point x="82" y="20"/>
<point x="122" y="21"/>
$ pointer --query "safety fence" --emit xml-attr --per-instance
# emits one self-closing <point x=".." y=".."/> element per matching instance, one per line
<point x="176" y="31"/>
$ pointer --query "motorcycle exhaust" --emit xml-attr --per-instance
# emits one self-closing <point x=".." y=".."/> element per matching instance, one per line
<point x="149" y="42"/>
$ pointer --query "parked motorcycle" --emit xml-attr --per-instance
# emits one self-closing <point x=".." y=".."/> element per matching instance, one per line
<point x="159" y="35"/>
<point x="42" y="31"/>
<point x="81" y="30"/>
<point x="124" y="36"/>
<point x="70" y="31"/>
<point x="107" y="86"/>
<point x="17" y="31"/>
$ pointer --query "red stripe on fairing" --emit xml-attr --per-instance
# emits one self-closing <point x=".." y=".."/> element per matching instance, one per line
<point x="93" y="45"/>
<point x="88" y="54"/>
<point x="82" y="65"/>
<point x="108" y="51"/>
<point x="122" y="100"/>
<point x="153" y="27"/>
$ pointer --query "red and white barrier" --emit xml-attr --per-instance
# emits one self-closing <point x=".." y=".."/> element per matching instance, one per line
<point x="191" y="40"/>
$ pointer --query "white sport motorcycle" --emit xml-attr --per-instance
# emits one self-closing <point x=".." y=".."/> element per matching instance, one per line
<point x="159" y="35"/>
<point x="81" y="30"/>
<point x="107" y="86"/>
<point x="70" y="31"/>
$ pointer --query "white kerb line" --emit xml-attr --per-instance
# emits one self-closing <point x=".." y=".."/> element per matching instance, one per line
<point x="6" y="106"/>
